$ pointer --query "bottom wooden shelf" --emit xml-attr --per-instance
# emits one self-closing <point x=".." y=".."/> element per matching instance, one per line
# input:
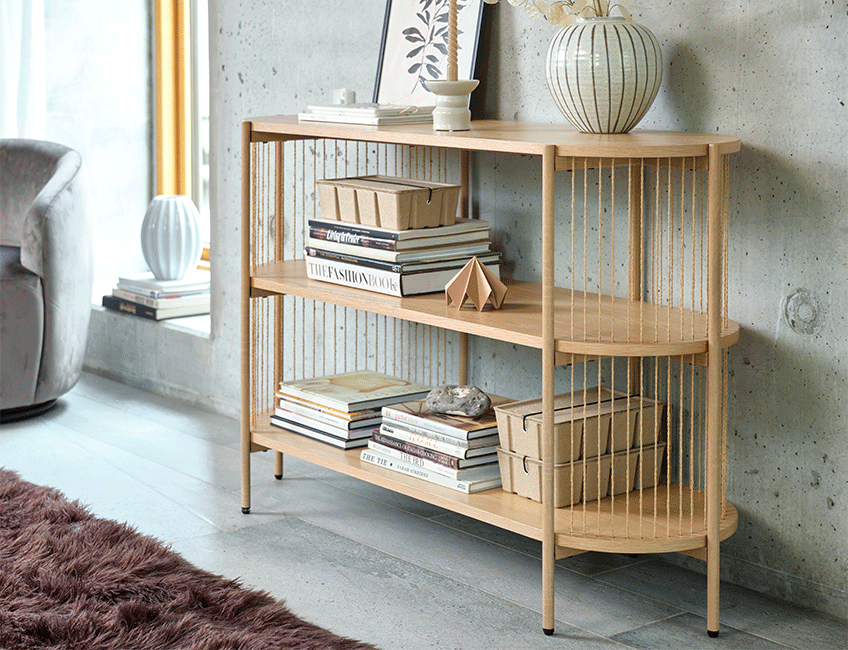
<point x="665" y="519"/>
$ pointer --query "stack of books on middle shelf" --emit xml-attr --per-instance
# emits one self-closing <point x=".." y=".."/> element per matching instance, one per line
<point x="396" y="262"/>
<point x="144" y="296"/>
<point x="449" y="450"/>
<point x="342" y="410"/>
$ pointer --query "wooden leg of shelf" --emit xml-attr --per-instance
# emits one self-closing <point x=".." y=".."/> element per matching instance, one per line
<point x="714" y="385"/>
<point x="463" y="359"/>
<point x="245" y="475"/>
<point x="278" y="465"/>
<point x="548" y="360"/>
<point x="245" y="317"/>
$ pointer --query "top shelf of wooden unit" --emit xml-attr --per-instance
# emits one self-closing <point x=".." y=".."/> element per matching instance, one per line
<point x="505" y="137"/>
<point x="586" y="323"/>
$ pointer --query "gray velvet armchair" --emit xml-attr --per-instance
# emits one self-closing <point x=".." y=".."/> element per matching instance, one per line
<point x="46" y="268"/>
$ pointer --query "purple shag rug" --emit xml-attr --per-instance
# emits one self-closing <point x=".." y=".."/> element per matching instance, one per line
<point x="71" y="580"/>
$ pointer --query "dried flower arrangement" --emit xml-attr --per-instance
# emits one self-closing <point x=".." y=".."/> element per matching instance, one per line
<point x="565" y="12"/>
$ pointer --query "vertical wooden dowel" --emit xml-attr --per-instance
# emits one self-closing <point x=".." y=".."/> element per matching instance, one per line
<point x="464" y="210"/>
<point x="634" y="210"/>
<point x="463" y="359"/>
<point x="452" y="44"/>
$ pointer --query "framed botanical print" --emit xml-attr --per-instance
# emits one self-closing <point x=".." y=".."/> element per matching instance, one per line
<point x="414" y="48"/>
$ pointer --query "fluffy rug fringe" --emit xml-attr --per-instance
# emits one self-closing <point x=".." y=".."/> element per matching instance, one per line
<point x="69" y="580"/>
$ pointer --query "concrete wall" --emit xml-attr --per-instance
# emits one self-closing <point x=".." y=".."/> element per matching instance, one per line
<point x="767" y="72"/>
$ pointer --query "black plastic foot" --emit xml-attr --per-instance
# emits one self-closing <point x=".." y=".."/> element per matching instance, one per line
<point x="279" y="477"/>
<point x="245" y="511"/>
<point x="713" y="635"/>
<point x="548" y="632"/>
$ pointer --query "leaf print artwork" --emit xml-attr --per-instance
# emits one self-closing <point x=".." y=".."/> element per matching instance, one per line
<point x="415" y="48"/>
<point x="429" y="40"/>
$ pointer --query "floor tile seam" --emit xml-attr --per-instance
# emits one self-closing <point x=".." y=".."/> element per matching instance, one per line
<point x="723" y="627"/>
<point x="151" y="486"/>
<point x="447" y="576"/>
<point x="150" y="459"/>
<point x="647" y="624"/>
<point x="93" y="398"/>
<point x="605" y="572"/>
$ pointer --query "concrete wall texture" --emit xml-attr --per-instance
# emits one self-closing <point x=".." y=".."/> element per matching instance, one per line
<point x="773" y="74"/>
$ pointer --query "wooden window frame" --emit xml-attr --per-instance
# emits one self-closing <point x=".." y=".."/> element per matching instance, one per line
<point x="173" y="97"/>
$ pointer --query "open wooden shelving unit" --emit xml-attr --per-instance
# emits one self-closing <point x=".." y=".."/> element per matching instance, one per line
<point x="666" y="337"/>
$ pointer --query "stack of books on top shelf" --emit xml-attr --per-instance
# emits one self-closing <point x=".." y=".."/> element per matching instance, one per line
<point x="396" y="262"/>
<point x="449" y="450"/>
<point x="342" y="410"/>
<point x="144" y="296"/>
<point x="372" y="114"/>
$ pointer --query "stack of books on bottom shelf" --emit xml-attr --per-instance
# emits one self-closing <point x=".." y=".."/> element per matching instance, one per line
<point x="449" y="450"/>
<point x="396" y="262"/>
<point x="144" y="296"/>
<point x="341" y="410"/>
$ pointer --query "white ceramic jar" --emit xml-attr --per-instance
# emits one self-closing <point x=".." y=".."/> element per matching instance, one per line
<point x="170" y="236"/>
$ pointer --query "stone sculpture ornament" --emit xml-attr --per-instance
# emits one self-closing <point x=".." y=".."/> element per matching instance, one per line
<point x="468" y="401"/>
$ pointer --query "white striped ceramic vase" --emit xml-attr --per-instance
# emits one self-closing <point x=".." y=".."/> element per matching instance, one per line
<point x="170" y="236"/>
<point x="604" y="73"/>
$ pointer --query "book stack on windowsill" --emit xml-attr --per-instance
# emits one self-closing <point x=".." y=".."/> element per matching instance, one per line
<point x="450" y="450"/>
<point x="144" y="296"/>
<point x="342" y="410"/>
<point x="396" y="262"/>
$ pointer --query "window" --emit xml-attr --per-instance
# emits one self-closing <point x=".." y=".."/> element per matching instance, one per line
<point x="182" y="102"/>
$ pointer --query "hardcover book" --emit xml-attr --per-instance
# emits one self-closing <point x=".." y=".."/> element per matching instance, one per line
<point x="429" y="254"/>
<point x="114" y="303"/>
<point x="380" y="280"/>
<point x="455" y="263"/>
<point x="416" y="413"/>
<point x="193" y="299"/>
<point x="461" y="225"/>
<point x="353" y="238"/>
<point x="354" y="391"/>
<point x="405" y="432"/>
<point x="194" y="280"/>
<point x="485" y="472"/>
<point x="318" y="434"/>
<point x="424" y="451"/>
<point x="389" y="463"/>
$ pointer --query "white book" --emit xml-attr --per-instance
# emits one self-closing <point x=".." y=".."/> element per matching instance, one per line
<point x="370" y="109"/>
<point x="190" y="300"/>
<point x="381" y="281"/>
<point x="387" y="462"/>
<point x="427" y="254"/>
<point x="194" y="280"/>
<point x="315" y="434"/>
<point x="354" y="391"/>
<point x="478" y="473"/>
<point x="440" y="442"/>
<point x="366" y="120"/>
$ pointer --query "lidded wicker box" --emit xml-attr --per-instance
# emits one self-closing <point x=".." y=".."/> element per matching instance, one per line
<point x="388" y="201"/>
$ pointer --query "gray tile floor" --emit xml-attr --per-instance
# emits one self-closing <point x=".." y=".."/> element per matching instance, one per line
<point x="360" y="560"/>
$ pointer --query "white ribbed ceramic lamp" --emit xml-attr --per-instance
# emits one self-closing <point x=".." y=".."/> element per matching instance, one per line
<point x="604" y="73"/>
<point x="170" y="237"/>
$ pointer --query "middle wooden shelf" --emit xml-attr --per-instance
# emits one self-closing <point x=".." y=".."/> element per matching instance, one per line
<point x="587" y="324"/>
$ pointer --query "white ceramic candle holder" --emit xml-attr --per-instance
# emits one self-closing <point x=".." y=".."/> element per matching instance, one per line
<point x="451" y="112"/>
